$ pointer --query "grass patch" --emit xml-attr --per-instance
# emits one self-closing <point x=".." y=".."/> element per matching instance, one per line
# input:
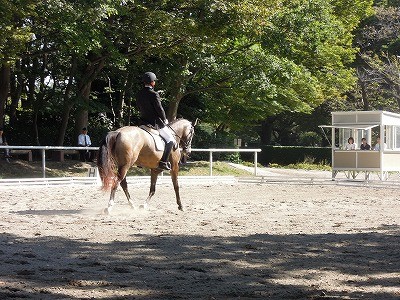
<point x="24" y="169"/>
<point x="71" y="168"/>
<point x="201" y="168"/>
<point x="197" y="168"/>
<point x="304" y="166"/>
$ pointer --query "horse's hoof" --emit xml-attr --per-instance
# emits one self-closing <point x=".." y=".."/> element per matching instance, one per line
<point x="144" y="206"/>
<point x="180" y="208"/>
<point x="106" y="211"/>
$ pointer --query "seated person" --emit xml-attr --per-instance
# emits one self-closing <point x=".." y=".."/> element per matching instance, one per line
<point x="350" y="144"/>
<point x="364" y="145"/>
<point x="377" y="146"/>
<point x="3" y="142"/>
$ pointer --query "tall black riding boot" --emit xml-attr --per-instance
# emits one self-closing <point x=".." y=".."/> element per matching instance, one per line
<point x="164" y="164"/>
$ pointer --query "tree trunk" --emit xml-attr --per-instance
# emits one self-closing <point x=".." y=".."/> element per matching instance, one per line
<point x="174" y="104"/>
<point x="397" y="94"/>
<point x="83" y="113"/>
<point x="4" y="89"/>
<point x="35" y="127"/>
<point x="39" y="101"/>
<point x="364" y="95"/>
<point x="266" y="130"/>
<point x="68" y="104"/>
<point x="31" y="99"/>
<point x="120" y="104"/>
<point x="32" y="102"/>
<point x="64" y="123"/>
<point x="16" y="87"/>
<point x="124" y="101"/>
<point x="84" y="89"/>
<point x="173" y="108"/>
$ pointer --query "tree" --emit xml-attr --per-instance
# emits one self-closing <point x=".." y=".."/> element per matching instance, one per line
<point x="233" y="62"/>
<point x="318" y="37"/>
<point x="378" y="63"/>
<point x="14" y="34"/>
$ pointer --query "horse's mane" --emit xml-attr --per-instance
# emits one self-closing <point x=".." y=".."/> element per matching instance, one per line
<point x="176" y="120"/>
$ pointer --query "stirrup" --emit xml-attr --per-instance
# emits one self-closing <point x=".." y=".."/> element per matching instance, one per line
<point x="163" y="165"/>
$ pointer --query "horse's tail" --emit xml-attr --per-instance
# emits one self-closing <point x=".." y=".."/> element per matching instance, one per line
<point x="106" y="164"/>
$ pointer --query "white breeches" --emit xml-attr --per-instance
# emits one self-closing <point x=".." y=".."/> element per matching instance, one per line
<point x="166" y="134"/>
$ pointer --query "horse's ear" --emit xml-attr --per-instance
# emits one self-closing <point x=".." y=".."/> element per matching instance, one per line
<point x="195" y="122"/>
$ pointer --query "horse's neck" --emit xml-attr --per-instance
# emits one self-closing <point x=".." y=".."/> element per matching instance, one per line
<point x="179" y="128"/>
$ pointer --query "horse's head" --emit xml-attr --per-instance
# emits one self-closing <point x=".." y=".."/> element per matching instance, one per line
<point x="184" y="131"/>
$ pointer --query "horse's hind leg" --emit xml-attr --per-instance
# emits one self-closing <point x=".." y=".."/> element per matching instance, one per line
<point x="122" y="181"/>
<point x="153" y="181"/>
<point x="111" y="202"/>
<point x="124" y="186"/>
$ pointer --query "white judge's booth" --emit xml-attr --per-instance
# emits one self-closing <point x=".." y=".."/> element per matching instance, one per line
<point x="369" y="125"/>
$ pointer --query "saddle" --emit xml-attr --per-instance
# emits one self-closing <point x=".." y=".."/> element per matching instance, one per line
<point x="158" y="140"/>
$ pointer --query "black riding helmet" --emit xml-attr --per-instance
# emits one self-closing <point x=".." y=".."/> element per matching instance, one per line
<point x="149" y="77"/>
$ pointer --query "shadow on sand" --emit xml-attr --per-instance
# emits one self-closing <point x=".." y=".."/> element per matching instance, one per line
<point x="197" y="267"/>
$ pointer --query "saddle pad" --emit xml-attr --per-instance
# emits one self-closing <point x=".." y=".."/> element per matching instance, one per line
<point x="158" y="141"/>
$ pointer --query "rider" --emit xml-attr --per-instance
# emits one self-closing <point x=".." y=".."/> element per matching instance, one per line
<point x="152" y="113"/>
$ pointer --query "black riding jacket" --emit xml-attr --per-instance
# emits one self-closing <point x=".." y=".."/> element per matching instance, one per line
<point x="148" y="102"/>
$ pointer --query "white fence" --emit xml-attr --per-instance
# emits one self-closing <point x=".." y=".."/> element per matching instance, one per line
<point x="43" y="150"/>
<point x="212" y="150"/>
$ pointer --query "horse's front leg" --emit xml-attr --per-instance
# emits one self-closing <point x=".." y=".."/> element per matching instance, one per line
<point x="174" y="176"/>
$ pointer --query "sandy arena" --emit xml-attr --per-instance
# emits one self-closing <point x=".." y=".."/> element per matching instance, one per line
<point x="233" y="241"/>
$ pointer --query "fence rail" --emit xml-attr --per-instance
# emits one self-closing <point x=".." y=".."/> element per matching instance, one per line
<point x="211" y="150"/>
<point x="43" y="150"/>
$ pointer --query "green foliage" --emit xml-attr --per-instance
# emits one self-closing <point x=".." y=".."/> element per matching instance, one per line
<point x="15" y="28"/>
<point x="316" y="38"/>
<point x="234" y="157"/>
<point x="232" y="63"/>
<point x="309" y="138"/>
<point x="207" y="137"/>
<point x="285" y="155"/>
<point x="378" y="64"/>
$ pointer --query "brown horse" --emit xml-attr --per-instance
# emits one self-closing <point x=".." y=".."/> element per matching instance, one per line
<point x="131" y="145"/>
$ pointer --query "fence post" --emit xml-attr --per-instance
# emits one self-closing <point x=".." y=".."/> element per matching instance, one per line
<point x="255" y="163"/>
<point x="44" y="162"/>
<point x="211" y="162"/>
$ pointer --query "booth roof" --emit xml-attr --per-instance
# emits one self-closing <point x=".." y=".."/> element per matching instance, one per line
<point x="352" y="126"/>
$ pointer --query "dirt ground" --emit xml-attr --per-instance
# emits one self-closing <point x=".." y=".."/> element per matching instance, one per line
<point x="236" y="241"/>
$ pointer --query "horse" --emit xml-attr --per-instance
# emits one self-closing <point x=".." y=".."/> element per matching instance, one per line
<point x="131" y="145"/>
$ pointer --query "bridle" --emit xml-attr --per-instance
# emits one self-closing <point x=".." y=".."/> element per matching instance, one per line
<point x="186" y="143"/>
